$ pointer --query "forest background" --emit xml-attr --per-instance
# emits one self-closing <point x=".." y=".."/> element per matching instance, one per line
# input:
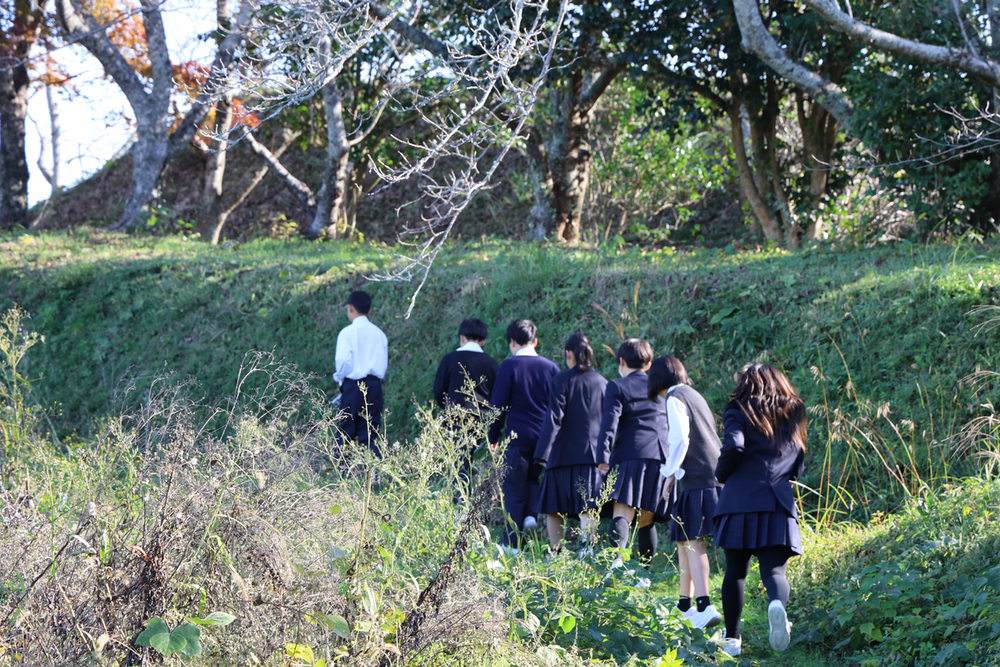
<point x="805" y="184"/>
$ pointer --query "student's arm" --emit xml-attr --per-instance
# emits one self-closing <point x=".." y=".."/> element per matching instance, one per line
<point x="553" y="421"/>
<point x="500" y="398"/>
<point x="733" y="444"/>
<point x="800" y="465"/>
<point x="678" y="431"/>
<point x="442" y="382"/>
<point x="609" y="419"/>
<point x="344" y="356"/>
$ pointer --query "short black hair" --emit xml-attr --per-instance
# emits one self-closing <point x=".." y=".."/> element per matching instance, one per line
<point x="635" y="353"/>
<point x="361" y="301"/>
<point x="521" y="332"/>
<point x="473" y="329"/>
<point x="665" y="372"/>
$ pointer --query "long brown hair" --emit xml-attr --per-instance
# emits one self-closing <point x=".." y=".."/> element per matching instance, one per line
<point x="770" y="404"/>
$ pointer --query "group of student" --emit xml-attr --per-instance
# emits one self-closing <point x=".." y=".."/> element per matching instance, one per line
<point x="569" y="431"/>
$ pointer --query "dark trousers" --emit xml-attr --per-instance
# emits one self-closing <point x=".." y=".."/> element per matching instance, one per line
<point x="520" y="499"/>
<point x="360" y="412"/>
<point x="772" y="561"/>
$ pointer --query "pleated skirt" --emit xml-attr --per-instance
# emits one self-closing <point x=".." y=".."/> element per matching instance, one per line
<point x="692" y="514"/>
<point x="570" y="490"/>
<point x="639" y="484"/>
<point x="756" y="530"/>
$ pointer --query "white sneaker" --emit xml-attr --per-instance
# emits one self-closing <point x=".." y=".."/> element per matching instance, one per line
<point x="732" y="647"/>
<point x="686" y="614"/>
<point x="530" y="523"/>
<point x="508" y="551"/>
<point x="708" y="618"/>
<point x="781" y="627"/>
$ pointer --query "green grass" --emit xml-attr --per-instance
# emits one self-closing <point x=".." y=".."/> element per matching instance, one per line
<point x="877" y="341"/>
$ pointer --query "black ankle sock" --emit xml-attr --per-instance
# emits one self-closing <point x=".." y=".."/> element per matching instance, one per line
<point x="703" y="602"/>
<point x="646" y="542"/>
<point x="618" y="532"/>
<point x="684" y="603"/>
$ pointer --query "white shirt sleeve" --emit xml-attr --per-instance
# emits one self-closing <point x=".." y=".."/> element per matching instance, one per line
<point x="678" y="430"/>
<point x="344" y="358"/>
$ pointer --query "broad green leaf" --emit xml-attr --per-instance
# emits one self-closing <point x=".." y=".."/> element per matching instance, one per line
<point x="168" y="644"/>
<point x="336" y="509"/>
<point x="567" y="623"/>
<point x="156" y="626"/>
<point x="219" y="618"/>
<point x="192" y="638"/>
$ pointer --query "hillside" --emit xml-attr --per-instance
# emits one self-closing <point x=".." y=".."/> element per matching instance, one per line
<point x="878" y="341"/>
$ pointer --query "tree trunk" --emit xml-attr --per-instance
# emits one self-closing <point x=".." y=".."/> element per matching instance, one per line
<point x="819" y="132"/>
<point x="569" y="161"/>
<point x="330" y="197"/>
<point x="768" y="223"/>
<point x="54" y="175"/>
<point x="212" y="216"/>
<point x="13" y="163"/>
<point x="543" y="211"/>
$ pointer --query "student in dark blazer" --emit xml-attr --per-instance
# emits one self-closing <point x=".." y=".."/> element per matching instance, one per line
<point x="634" y="428"/>
<point x="692" y="490"/>
<point x="763" y="448"/>
<point x="521" y="393"/>
<point x="462" y="388"/>
<point x="468" y="364"/>
<point x="568" y="451"/>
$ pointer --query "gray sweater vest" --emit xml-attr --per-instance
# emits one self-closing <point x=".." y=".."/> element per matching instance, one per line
<point x="703" y="442"/>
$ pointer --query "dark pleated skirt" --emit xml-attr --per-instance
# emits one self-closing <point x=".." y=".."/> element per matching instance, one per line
<point x="757" y="530"/>
<point x="691" y="515"/>
<point x="570" y="490"/>
<point x="640" y="484"/>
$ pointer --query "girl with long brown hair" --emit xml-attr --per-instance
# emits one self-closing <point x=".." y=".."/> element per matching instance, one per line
<point x="763" y="448"/>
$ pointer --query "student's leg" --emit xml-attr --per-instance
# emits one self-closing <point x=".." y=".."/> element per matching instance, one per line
<point x="620" y="521"/>
<point x="733" y="585"/>
<point x="683" y="571"/>
<point x="557" y="530"/>
<point x="698" y="573"/>
<point x="370" y="416"/>
<point x="646" y="540"/>
<point x="350" y="403"/>
<point x="515" y="497"/>
<point x="773" y="562"/>
<point x="589" y="522"/>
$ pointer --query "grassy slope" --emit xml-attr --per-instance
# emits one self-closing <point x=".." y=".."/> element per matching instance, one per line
<point x="854" y="329"/>
<point x="895" y="319"/>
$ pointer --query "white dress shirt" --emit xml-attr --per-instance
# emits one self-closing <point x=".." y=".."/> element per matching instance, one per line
<point x="678" y="430"/>
<point x="526" y="351"/>
<point x="471" y="346"/>
<point x="362" y="350"/>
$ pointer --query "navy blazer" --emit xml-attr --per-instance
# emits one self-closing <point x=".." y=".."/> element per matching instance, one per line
<point x="458" y="366"/>
<point x="572" y="425"/>
<point x="757" y="476"/>
<point x="639" y="423"/>
<point x="521" y="391"/>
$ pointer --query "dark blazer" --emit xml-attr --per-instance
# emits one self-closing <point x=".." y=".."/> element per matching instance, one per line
<point x="639" y="423"/>
<point x="569" y="432"/>
<point x="522" y="394"/>
<point x="458" y="365"/>
<point x="757" y="476"/>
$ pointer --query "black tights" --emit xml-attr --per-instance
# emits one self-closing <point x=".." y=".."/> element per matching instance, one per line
<point x="772" y="561"/>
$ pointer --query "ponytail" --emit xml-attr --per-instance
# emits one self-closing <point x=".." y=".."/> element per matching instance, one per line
<point x="579" y="345"/>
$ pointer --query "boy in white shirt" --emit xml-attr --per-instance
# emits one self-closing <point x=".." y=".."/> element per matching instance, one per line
<point x="362" y="359"/>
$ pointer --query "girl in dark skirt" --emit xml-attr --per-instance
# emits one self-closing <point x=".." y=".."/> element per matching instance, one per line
<point x="634" y="428"/>
<point x="763" y="448"/>
<point x="567" y="450"/>
<point x="693" y="452"/>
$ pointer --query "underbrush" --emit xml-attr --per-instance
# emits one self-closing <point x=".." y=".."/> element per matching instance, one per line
<point x="249" y="537"/>
<point x="920" y="587"/>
